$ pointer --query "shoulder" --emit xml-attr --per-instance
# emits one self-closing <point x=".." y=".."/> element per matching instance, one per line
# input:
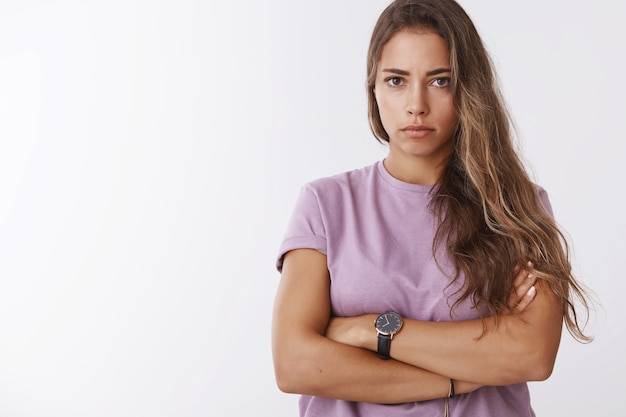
<point x="540" y="190"/>
<point x="542" y="194"/>
<point x="340" y="184"/>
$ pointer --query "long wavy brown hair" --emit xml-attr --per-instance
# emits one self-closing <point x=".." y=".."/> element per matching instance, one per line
<point x="490" y="217"/>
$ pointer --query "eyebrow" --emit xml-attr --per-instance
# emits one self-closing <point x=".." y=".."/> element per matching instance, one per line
<point x="429" y="73"/>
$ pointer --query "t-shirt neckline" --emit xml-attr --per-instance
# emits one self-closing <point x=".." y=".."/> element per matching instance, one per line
<point x="406" y="186"/>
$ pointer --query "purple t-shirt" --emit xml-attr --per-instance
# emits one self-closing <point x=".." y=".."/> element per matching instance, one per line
<point x="377" y="234"/>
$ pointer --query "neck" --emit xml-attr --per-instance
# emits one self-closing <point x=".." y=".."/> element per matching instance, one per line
<point x="415" y="170"/>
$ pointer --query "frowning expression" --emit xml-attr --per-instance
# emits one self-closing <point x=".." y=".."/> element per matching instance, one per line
<point x="414" y="96"/>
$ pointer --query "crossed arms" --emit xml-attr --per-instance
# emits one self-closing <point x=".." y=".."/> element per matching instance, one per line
<point x="316" y="354"/>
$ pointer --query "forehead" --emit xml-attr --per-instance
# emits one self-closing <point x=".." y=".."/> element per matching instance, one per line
<point x="415" y="49"/>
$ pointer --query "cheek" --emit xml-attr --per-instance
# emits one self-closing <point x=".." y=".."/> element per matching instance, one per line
<point x="449" y="115"/>
<point x="385" y="108"/>
<point x="454" y="119"/>
<point x="382" y="107"/>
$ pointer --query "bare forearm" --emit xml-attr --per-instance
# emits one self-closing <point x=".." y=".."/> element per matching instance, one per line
<point x="325" y="368"/>
<point x="521" y="347"/>
<point x="507" y="354"/>
<point x="499" y="356"/>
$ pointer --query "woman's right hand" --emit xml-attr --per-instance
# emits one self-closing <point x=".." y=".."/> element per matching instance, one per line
<point x="524" y="289"/>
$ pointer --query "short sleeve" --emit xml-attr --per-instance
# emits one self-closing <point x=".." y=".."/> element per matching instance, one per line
<point x="545" y="201"/>
<point x="306" y="226"/>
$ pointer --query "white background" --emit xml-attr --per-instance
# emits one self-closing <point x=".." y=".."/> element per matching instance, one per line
<point x="150" y="156"/>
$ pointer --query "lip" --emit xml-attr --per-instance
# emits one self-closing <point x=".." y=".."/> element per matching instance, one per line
<point x="417" y="131"/>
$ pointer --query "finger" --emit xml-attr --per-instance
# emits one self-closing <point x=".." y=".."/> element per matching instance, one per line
<point x="516" y="272"/>
<point x="525" y="285"/>
<point x="522" y="283"/>
<point x="526" y="300"/>
<point x="520" y="275"/>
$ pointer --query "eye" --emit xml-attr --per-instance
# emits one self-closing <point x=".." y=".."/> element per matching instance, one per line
<point x="441" y="82"/>
<point x="394" y="81"/>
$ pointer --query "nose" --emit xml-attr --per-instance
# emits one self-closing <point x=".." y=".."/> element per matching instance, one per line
<point x="417" y="101"/>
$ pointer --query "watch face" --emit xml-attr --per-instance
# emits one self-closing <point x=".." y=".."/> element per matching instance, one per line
<point x="388" y="323"/>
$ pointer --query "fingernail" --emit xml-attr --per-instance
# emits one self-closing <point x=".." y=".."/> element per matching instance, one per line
<point x="530" y="276"/>
<point x="530" y="264"/>
<point x="531" y="291"/>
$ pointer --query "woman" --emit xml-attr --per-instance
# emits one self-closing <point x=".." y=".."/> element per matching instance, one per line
<point x="447" y="233"/>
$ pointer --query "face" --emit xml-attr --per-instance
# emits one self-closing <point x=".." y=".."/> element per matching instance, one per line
<point x="414" y="98"/>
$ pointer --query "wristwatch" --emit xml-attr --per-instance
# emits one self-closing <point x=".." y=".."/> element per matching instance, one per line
<point x="387" y="324"/>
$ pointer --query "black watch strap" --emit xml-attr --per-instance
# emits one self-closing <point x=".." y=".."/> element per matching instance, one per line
<point x="384" y="346"/>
